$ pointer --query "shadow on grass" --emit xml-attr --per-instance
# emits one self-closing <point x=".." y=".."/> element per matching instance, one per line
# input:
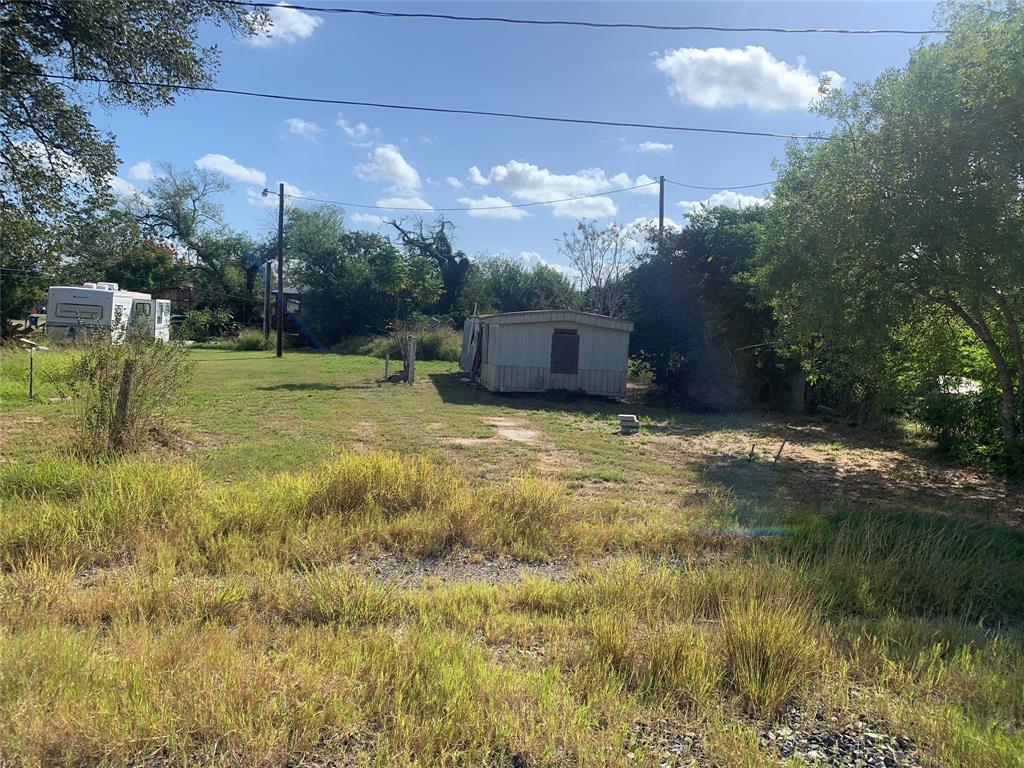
<point x="902" y="485"/>
<point x="312" y="386"/>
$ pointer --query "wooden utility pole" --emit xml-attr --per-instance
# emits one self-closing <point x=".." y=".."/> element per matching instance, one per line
<point x="266" y="299"/>
<point x="280" y="270"/>
<point x="661" y="207"/>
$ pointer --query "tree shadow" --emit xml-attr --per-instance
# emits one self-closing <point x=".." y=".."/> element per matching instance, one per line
<point x="815" y="483"/>
<point x="313" y="386"/>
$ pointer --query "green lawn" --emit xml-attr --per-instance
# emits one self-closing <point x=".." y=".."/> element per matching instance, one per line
<point x="309" y="568"/>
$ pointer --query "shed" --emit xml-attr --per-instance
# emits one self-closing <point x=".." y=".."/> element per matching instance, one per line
<point x="543" y="350"/>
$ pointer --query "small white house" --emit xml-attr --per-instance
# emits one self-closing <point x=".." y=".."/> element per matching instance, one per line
<point x="547" y="349"/>
<point x="104" y="308"/>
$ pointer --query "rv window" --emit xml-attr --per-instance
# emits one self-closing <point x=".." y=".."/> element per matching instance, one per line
<point x="79" y="311"/>
<point x="141" y="309"/>
<point x="565" y="351"/>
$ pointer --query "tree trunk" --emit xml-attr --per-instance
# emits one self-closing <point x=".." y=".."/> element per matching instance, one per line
<point x="981" y="330"/>
<point x="1013" y="329"/>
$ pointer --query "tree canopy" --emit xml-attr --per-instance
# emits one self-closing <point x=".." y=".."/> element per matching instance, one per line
<point x="911" y="211"/>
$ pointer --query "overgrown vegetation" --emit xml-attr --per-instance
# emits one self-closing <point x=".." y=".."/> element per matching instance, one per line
<point x="193" y="584"/>
<point x="122" y="388"/>
<point x="367" y="603"/>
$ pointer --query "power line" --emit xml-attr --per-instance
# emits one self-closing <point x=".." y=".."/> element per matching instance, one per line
<point x="466" y="210"/>
<point x="722" y="187"/>
<point x="414" y="108"/>
<point x="586" y="24"/>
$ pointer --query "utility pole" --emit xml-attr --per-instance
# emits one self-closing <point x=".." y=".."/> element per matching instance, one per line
<point x="266" y="299"/>
<point x="280" y="270"/>
<point x="661" y="207"/>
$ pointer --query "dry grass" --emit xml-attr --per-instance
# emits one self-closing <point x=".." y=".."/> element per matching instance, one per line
<point x="156" y="611"/>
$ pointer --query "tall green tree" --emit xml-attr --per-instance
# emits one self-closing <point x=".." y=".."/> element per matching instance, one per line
<point x="353" y="282"/>
<point x="914" y="204"/>
<point x="55" y="164"/>
<point x="697" y="322"/>
<point x="435" y="243"/>
<point x="182" y="207"/>
<point x="504" y="285"/>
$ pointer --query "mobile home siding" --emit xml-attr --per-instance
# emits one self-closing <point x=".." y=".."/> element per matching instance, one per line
<point x="517" y="355"/>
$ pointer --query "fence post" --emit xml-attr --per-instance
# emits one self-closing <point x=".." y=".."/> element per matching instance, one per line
<point x="120" y="419"/>
<point x="411" y="366"/>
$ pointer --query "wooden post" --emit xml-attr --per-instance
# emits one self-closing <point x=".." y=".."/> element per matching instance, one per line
<point x="117" y="424"/>
<point x="661" y="208"/>
<point x="31" y="371"/>
<point x="387" y="362"/>
<point x="280" y="271"/>
<point x="411" y="366"/>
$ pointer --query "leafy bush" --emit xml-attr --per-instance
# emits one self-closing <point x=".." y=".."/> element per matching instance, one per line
<point x="201" y="324"/>
<point x="439" y="344"/>
<point x="251" y="341"/>
<point x="966" y="426"/>
<point x="123" y="389"/>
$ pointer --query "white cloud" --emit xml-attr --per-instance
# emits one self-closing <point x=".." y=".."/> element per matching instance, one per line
<point x="357" y="131"/>
<point x="532" y="184"/>
<point x="650" y="189"/>
<point x="142" y="171"/>
<point x="729" y="77"/>
<point x="127" y="192"/>
<point x="475" y="177"/>
<point x="532" y="259"/>
<point x="232" y="169"/>
<point x="454" y="182"/>
<point x="653" y="146"/>
<point x="387" y="163"/>
<point x="587" y="208"/>
<point x="367" y="218"/>
<point x="286" y="25"/>
<point x="405" y="201"/>
<point x="487" y="207"/>
<point x="303" y="128"/>
<point x="726" y="197"/>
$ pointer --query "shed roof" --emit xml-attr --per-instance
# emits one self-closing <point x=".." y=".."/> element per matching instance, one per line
<point x="559" y="316"/>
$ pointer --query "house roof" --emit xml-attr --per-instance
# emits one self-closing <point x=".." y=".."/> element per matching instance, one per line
<point x="559" y="316"/>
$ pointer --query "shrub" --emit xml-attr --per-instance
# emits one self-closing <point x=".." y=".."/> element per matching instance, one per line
<point x="440" y="344"/>
<point x="252" y="341"/>
<point x="122" y="390"/>
<point x="201" y="324"/>
<point x="966" y="426"/>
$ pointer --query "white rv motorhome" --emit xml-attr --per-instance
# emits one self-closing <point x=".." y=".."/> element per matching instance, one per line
<point x="103" y="307"/>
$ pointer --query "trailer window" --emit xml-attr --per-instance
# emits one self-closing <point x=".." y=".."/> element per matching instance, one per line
<point x="565" y="351"/>
<point x="141" y="310"/>
<point x="79" y="312"/>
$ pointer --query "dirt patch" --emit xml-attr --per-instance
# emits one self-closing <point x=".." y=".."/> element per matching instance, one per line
<point x="464" y="566"/>
<point x="822" y="461"/>
<point x="364" y="433"/>
<point x="511" y="429"/>
<point x="505" y="429"/>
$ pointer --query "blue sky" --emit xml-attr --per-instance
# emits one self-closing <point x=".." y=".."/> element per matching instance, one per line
<point x="750" y="81"/>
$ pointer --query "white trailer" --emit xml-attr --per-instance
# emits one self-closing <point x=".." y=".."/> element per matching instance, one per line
<point x="72" y="310"/>
<point x="543" y="350"/>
